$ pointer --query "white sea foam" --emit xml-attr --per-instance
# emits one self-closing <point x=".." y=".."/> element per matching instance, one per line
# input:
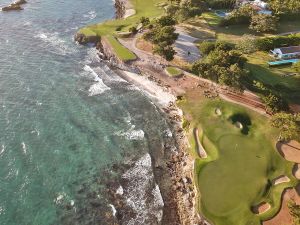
<point x="60" y="198"/>
<point x="113" y="209"/>
<point x="91" y="15"/>
<point x="140" y="178"/>
<point x="120" y="190"/>
<point x="59" y="46"/>
<point x="99" y="87"/>
<point x="24" y="148"/>
<point x="132" y="134"/>
<point x="2" y="149"/>
<point x="168" y="133"/>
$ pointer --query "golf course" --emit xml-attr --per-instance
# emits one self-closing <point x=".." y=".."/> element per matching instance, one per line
<point x="242" y="162"/>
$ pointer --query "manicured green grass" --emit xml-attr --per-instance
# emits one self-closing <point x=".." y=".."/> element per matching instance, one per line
<point x="289" y="86"/>
<point x="173" y="71"/>
<point x="239" y="166"/>
<point x="123" y="53"/>
<point x="149" y="8"/>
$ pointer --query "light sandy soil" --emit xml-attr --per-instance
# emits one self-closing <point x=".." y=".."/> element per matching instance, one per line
<point x="284" y="217"/>
<point x="281" y="179"/>
<point x="261" y="208"/>
<point x="185" y="47"/>
<point x="289" y="150"/>
<point x="200" y="149"/>
<point x="296" y="171"/>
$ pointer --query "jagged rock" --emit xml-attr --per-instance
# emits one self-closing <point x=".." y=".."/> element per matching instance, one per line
<point x="83" y="39"/>
<point x="14" y="6"/>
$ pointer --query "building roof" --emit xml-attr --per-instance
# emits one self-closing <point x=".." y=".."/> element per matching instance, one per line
<point x="289" y="50"/>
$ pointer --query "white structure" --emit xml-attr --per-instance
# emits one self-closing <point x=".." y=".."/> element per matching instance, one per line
<point x="287" y="52"/>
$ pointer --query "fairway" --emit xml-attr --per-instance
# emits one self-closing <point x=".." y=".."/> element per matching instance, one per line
<point x="149" y="8"/>
<point x="241" y="165"/>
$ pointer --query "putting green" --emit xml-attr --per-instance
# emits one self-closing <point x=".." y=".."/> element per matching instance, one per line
<point x="241" y="164"/>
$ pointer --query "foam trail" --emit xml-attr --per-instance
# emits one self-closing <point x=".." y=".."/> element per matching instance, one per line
<point x="114" y="211"/>
<point x="24" y="148"/>
<point x="2" y="150"/>
<point x="99" y="87"/>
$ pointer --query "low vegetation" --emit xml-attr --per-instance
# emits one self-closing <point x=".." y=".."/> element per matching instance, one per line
<point x="123" y="53"/>
<point x="173" y="71"/>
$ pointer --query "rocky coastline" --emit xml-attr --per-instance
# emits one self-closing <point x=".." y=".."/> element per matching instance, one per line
<point x="16" y="6"/>
<point x="172" y="166"/>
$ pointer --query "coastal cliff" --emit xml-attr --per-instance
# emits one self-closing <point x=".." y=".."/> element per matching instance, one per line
<point x="173" y="167"/>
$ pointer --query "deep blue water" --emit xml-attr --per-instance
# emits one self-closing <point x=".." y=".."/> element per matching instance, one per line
<point x="61" y="126"/>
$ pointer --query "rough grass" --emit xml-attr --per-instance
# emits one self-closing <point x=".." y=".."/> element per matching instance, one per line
<point x="173" y="71"/>
<point x="123" y="53"/>
<point x="212" y="18"/>
<point x="289" y="86"/>
<point x="236" y="174"/>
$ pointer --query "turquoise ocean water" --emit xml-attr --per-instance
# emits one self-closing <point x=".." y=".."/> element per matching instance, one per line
<point x="65" y="117"/>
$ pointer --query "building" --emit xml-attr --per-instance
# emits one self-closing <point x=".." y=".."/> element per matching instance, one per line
<point x="260" y="6"/>
<point x="287" y="52"/>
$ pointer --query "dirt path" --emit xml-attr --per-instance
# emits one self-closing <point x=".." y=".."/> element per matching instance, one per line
<point x="154" y="67"/>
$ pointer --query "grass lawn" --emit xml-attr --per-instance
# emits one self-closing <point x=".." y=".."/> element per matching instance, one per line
<point x="240" y="165"/>
<point x="289" y="87"/>
<point x="173" y="71"/>
<point x="123" y="53"/>
<point x="212" y="18"/>
<point x="149" y="8"/>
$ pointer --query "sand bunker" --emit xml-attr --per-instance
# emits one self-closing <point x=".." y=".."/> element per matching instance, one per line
<point x="289" y="150"/>
<point x="200" y="149"/>
<point x="218" y="112"/>
<point x="281" y="179"/>
<point x="284" y="217"/>
<point x="261" y="208"/>
<point x="296" y="171"/>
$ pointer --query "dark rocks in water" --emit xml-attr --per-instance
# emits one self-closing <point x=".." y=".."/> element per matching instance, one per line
<point x="83" y="39"/>
<point x="14" y="6"/>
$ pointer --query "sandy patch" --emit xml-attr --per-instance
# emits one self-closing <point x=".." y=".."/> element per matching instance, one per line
<point x="261" y="208"/>
<point x="296" y="171"/>
<point x="200" y="149"/>
<point x="281" y="179"/>
<point x="284" y="217"/>
<point x="185" y="46"/>
<point x="289" y="150"/>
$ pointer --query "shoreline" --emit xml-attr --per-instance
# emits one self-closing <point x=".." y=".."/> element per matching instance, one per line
<point x="174" y="170"/>
<point x="172" y="165"/>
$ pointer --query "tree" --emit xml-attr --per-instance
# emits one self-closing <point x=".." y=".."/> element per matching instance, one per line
<point x="288" y="124"/>
<point x="296" y="66"/>
<point x="232" y="77"/>
<point x="275" y="103"/>
<point x="166" y="21"/>
<point x="166" y="51"/>
<point x="145" y="21"/>
<point x="248" y="44"/>
<point x="133" y="30"/>
<point x="262" y="23"/>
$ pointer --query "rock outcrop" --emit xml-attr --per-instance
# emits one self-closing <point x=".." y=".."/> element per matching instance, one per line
<point x="14" y="6"/>
<point x="84" y="39"/>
